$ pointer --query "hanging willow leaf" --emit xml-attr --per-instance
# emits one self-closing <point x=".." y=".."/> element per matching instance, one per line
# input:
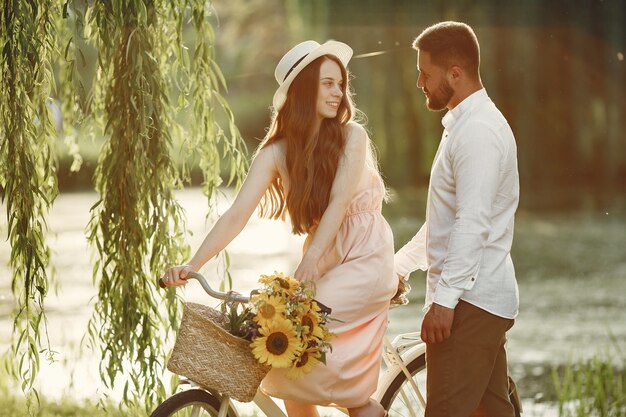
<point x="137" y="226"/>
<point x="74" y="89"/>
<point x="206" y="80"/>
<point x="27" y="173"/>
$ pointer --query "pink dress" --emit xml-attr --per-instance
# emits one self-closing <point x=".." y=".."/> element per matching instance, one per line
<point x="357" y="281"/>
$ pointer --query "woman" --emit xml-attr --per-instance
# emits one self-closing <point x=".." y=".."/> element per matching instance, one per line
<point x="316" y="165"/>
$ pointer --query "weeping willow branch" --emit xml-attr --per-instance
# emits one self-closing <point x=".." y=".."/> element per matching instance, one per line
<point x="27" y="172"/>
<point x="215" y="145"/>
<point x="75" y="91"/>
<point x="136" y="226"/>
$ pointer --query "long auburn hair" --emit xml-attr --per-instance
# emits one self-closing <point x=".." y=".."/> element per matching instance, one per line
<point x="311" y="156"/>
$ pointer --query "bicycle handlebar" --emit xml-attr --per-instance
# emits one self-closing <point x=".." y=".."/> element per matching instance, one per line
<point x="229" y="296"/>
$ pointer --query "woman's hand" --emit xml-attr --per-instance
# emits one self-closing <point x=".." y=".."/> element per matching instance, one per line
<point x="401" y="293"/>
<point x="176" y="276"/>
<point x="308" y="270"/>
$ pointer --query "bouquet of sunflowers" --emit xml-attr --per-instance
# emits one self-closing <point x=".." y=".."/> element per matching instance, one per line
<point x="285" y="325"/>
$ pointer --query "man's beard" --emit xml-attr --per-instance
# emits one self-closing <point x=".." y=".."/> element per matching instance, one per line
<point x="439" y="99"/>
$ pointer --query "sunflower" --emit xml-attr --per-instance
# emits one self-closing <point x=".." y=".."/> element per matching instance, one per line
<point x="305" y="364"/>
<point x="311" y="320"/>
<point x="286" y="285"/>
<point x="269" y="307"/>
<point x="280" y="284"/>
<point x="277" y="345"/>
<point x="268" y="279"/>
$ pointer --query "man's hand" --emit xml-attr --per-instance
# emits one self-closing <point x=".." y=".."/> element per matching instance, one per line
<point x="437" y="323"/>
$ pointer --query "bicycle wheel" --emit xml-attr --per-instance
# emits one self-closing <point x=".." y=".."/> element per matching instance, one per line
<point x="401" y="398"/>
<point x="191" y="403"/>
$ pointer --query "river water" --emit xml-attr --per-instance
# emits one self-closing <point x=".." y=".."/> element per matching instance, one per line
<point x="561" y="320"/>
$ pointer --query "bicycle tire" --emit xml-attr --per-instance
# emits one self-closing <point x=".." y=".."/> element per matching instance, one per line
<point x="186" y="400"/>
<point x="415" y="367"/>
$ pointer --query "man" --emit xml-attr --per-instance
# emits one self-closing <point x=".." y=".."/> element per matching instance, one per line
<point x="465" y="243"/>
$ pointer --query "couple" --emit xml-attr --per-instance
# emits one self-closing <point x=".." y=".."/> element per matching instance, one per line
<point x="316" y="165"/>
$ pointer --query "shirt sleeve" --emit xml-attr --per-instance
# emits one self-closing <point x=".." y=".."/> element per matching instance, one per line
<point x="475" y="161"/>
<point x="412" y="256"/>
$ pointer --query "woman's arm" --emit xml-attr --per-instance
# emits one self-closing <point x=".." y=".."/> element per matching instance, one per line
<point x="230" y="224"/>
<point x="349" y="170"/>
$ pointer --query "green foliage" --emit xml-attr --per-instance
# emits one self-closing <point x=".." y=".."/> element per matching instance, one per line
<point x="201" y="78"/>
<point x="27" y="173"/>
<point x="205" y="82"/>
<point x="595" y="387"/>
<point x="237" y="320"/>
<point x="136" y="227"/>
<point x="75" y="90"/>
<point x="13" y="405"/>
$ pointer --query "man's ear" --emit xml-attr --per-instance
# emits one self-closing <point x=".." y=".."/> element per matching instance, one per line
<point x="455" y="73"/>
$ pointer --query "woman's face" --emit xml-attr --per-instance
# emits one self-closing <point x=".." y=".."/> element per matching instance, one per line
<point x="330" y="92"/>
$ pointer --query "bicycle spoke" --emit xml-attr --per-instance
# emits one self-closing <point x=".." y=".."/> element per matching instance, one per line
<point x="409" y="403"/>
<point x="195" y="411"/>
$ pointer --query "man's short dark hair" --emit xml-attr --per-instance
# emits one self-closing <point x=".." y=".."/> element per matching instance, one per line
<point x="451" y="43"/>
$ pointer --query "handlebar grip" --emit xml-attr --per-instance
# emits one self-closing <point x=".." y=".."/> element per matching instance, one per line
<point x="162" y="284"/>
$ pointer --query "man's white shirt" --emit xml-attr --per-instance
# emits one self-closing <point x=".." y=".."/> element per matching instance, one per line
<point x="466" y="240"/>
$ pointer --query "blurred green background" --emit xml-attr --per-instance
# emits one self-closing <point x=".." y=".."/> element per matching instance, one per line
<point x="555" y="69"/>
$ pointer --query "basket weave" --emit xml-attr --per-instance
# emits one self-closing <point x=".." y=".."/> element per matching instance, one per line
<point x="210" y="356"/>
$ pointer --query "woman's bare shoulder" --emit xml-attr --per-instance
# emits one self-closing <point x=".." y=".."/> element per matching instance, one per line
<point x="277" y="146"/>
<point x="274" y="152"/>
<point x="355" y="134"/>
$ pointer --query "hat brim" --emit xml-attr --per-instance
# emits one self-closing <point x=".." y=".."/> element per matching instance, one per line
<point x="339" y="49"/>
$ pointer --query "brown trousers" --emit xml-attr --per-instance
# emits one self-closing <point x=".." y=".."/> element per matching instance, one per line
<point x="467" y="373"/>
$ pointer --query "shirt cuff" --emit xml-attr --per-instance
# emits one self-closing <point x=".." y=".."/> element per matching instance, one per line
<point x="402" y="264"/>
<point x="404" y="276"/>
<point x="447" y="297"/>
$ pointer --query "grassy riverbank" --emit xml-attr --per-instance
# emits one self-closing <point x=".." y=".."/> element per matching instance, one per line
<point x="13" y="404"/>
<point x="592" y="388"/>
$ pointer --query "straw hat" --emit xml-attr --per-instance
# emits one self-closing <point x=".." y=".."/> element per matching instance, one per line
<point x="299" y="57"/>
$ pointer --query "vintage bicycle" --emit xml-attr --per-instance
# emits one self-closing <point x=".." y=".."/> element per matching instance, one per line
<point x="401" y="388"/>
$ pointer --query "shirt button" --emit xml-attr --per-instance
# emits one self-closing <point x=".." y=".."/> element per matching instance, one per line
<point x="472" y="278"/>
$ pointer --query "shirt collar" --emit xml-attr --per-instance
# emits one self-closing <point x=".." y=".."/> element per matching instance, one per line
<point x="470" y="101"/>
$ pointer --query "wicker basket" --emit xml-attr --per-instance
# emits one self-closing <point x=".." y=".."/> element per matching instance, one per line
<point x="210" y="356"/>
